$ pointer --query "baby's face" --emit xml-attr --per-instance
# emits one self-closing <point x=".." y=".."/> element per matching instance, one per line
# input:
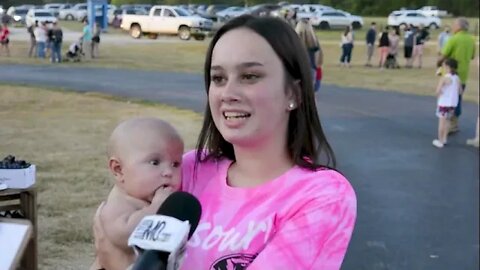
<point x="150" y="164"/>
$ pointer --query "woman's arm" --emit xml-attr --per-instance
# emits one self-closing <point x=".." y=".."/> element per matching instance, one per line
<point x="316" y="237"/>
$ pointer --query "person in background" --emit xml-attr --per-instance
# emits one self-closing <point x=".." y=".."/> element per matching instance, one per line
<point x="56" y="43"/>
<point x="475" y="140"/>
<point x="307" y="35"/>
<point x="347" y="47"/>
<point x="394" y="44"/>
<point x="41" y="39"/>
<point x="87" y="39"/>
<point x="319" y="70"/>
<point x="447" y="99"/>
<point x="33" y="42"/>
<point x="442" y="39"/>
<point x="371" y="37"/>
<point x="96" y="40"/>
<point x="422" y="36"/>
<point x="5" y="38"/>
<point x="461" y="47"/>
<point x="409" y="41"/>
<point x="383" y="44"/>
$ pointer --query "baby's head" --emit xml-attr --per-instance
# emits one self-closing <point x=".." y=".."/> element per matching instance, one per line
<point x="145" y="154"/>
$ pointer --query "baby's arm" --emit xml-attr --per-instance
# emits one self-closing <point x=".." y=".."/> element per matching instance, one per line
<point x="120" y="222"/>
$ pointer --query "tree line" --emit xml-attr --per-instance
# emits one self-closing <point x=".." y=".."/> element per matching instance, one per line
<point x="469" y="8"/>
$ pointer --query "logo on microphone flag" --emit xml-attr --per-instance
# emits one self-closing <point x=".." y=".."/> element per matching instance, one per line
<point x="163" y="234"/>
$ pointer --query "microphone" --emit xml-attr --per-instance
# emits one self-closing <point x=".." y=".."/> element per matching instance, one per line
<point x="163" y="236"/>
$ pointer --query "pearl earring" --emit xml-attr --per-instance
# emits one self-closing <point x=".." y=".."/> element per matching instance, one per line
<point x="291" y="106"/>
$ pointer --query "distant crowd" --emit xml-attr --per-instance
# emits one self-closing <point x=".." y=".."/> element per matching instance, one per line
<point x="46" y="42"/>
<point x="455" y="53"/>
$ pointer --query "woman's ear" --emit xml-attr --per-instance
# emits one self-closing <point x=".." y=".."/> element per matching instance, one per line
<point x="293" y="95"/>
<point x="116" y="169"/>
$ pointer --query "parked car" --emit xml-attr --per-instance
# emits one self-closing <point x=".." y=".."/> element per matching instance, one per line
<point x="40" y="16"/>
<point x="217" y="21"/>
<point x="309" y="11"/>
<point x="83" y="14"/>
<point x="232" y="12"/>
<point x="167" y="20"/>
<point x="433" y="11"/>
<point x="314" y="8"/>
<point x="19" y="16"/>
<point x="55" y="8"/>
<point x="213" y="9"/>
<point x="336" y="19"/>
<point x="27" y="6"/>
<point x="264" y="9"/>
<point x="137" y="6"/>
<point x="403" y="18"/>
<point x="73" y="13"/>
<point x="127" y="11"/>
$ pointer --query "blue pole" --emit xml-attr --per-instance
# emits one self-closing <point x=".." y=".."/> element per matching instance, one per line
<point x="91" y="14"/>
<point x="104" y="16"/>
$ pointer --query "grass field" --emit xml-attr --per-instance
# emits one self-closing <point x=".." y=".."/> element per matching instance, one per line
<point x="65" y="135"/>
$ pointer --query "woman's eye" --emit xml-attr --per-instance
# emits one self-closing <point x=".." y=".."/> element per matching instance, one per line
<point x="250" y="77"/>
<point x="154" y="162"/>
<point x="217" y="79"/>
<point x="176" y="164"/>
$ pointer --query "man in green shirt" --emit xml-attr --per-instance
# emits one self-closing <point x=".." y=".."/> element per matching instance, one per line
<point x="461" y="47"/>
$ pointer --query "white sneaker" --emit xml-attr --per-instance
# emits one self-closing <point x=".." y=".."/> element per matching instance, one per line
<point x="437" y="143"/>
<point x="473" y="142"/>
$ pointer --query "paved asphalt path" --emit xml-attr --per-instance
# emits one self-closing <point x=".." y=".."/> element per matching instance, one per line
<point x="418" y="206"/>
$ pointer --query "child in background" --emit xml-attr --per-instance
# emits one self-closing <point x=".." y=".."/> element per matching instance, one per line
<point x="4" y="38"/>
<point x="145" y="155"/>
<point x="448" y="90"/>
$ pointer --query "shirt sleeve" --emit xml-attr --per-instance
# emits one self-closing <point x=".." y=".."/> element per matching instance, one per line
<point x="316" y="237"/>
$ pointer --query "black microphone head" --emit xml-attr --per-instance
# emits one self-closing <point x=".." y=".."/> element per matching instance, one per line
<point x="182" y="206"/>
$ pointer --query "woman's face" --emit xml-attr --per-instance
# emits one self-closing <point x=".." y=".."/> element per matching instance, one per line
<point x="247" y="96"/>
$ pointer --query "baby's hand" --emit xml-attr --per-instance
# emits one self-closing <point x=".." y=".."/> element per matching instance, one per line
<point x="161" y="194"/>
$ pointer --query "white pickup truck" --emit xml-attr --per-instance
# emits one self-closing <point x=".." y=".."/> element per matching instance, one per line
<point x="167" y="20"/>
<point x="433" y="11"/>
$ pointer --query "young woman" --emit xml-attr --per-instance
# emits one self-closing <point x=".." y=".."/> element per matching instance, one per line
<point x="383" y="44"/>
<point x="307" y="35"/>
<point x="347" y="47"/>
<point x="261" y="170"/>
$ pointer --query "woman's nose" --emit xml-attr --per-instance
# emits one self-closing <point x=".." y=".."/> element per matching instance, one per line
<point x="230" y="92"/>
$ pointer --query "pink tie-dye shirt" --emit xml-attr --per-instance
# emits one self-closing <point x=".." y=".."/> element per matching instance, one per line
<point x="301" y="220"/>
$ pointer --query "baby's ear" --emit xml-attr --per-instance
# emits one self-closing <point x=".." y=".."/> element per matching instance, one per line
<point x="116" y="169"/>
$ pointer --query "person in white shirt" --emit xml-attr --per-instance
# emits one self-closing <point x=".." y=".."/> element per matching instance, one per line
<point x="41" y="39"/>
<point x="448" y="90"/>
<point x="347" y="47"/>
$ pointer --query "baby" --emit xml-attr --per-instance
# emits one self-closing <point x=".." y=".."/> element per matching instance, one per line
<point x="145" y="155"/>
